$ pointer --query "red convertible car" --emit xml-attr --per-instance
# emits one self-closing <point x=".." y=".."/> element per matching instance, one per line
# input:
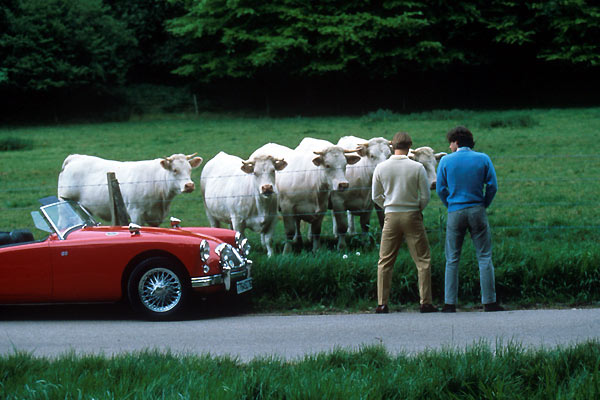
<point x="155" y="269"/>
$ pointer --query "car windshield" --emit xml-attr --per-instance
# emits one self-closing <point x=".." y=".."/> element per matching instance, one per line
<point x="66" y="216"/>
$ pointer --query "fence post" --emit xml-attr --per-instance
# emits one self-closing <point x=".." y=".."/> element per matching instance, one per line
<point x="118" y="212"/>
<point x="195" y="104"/>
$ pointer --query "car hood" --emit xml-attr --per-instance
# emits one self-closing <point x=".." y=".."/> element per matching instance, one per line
<point x="218" y="235"/>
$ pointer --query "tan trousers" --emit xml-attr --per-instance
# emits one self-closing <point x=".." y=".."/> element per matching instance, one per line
<point x="407" y="225"/>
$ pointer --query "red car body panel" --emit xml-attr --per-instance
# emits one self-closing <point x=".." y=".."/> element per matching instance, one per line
<point x="92" y="263"/>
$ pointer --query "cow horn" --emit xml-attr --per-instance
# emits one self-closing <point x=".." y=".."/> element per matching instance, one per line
<point x="351" y="151"/>
<point x="191" y="156"/>
<point x="319" y="153"/>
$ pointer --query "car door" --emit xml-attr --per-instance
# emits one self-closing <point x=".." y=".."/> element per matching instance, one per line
<point x="84" y="269"/>
<point x="25" y="273"/>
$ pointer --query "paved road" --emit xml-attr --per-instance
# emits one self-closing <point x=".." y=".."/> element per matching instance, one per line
<point x="283" y="336"/>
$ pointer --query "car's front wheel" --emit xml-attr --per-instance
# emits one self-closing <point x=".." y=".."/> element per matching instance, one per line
<point x="157" y="289"/>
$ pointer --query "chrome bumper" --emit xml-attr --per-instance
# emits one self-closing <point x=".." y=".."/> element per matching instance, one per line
<point x="226" y="277"/>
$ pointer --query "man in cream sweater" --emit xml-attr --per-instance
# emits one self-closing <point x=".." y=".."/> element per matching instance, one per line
<point x="401" y="188"/>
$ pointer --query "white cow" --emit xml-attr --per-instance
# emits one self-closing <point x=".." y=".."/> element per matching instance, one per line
<point x="242" y="193"/>
<point x="147" y="187"/>
<point x="426" y="156"/>
<point x="357" y="200"/>
<point x="315" y="169"/>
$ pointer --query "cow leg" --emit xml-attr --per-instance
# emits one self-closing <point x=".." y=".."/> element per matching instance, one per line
<point x="136" y="216"/>
<point x="214" y="223"/>
<point x="365" y="221"/>
<point x="289" y="226"/>
<point x="298" y="234"/>
<point x="238" y="224"/>
<point x="266" y="238"/>
<point x="334" y="227"/>
<point x="342" y="227"/>
<point x="351" y="226"/>
<point x="315" y="228"/>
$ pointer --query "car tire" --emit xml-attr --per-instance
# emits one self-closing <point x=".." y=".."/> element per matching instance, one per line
<point x="157" y="289"/>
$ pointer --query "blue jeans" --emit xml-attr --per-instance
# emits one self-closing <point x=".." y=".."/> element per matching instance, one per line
<point x="473" y="219"/>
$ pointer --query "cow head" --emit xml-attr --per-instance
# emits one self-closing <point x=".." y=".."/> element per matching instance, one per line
<point x="263" y="170"/>
<point x="179" y="169"/>
<point x="375" y="151"/>
<point x="332" y="161"/>
<point x="429" y="159"/>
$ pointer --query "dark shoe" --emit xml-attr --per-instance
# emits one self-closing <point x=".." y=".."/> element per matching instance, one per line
<point x="428" y="308"/>
<point x="382" y="309"/>
<point x="491" y="307"/>
<point x="449" y="308"/>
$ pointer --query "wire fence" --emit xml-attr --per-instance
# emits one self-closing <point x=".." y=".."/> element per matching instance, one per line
<point x="577" y="202"/>
<point x="193" y="202"/>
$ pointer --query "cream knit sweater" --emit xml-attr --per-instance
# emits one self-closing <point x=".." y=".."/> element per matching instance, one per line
<point x="400" y="185"/>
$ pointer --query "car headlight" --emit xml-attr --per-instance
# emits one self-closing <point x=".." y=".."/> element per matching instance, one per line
<point x="204" y="250"/>
<point x="229" y="256"/>
<point x="242" y="244"/>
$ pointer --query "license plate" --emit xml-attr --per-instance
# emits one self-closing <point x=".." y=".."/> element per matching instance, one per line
<point x="244" y="286"/>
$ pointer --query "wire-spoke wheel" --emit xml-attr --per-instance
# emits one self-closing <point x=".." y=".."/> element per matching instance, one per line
<point x="156" y="288"/>
<point x="160" y="289"/>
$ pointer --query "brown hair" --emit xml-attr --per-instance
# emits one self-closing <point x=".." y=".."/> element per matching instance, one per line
<point x="401" y="141"/>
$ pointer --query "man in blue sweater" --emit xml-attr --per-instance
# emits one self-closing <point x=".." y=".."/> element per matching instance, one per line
<point x="466" y="184"/>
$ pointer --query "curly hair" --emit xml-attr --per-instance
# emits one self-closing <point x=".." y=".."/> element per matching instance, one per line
<point x="462" y="136"/>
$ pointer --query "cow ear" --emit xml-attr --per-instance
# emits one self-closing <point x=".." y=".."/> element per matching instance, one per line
<point x="247" y="167"/>
<point x="362" y="149"/>
<point x="165" y="163"/>
<point x="196" y="161"/>
<point x="438" y="156"/>
<point x="352" y="159"/>
<point x="411" y="155"/>
<point x="317" y="160"/>
<point x="280" y="164"/>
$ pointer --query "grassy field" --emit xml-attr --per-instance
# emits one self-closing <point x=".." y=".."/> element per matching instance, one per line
<point x="544" y="219"/>
<point x="480" y="371"/>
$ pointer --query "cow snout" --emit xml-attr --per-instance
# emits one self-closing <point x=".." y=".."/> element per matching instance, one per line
<point x="343" y="186"/>
<point x="267" y="189"/>
<point x="433" y="184"/>
<point x="189" y="187"/>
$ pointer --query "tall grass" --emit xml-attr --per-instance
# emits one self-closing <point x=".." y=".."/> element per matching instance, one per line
<point x="557" y="273"/>
<point x="479" y="371"/>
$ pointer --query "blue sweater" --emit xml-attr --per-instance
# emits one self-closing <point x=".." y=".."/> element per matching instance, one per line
<point x="466" y="178"/>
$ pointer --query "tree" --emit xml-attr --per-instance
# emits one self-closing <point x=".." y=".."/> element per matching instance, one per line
<point x="379" y="39"/>
<point x="62" y="44"/>
<point x="157" y="51"/>
<point x="249" y="38"/>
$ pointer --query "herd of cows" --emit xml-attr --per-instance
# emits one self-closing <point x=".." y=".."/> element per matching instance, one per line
<point x="299" y="184"/>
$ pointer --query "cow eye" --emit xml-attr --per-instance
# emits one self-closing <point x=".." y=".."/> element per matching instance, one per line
<point x="176" y="171"/>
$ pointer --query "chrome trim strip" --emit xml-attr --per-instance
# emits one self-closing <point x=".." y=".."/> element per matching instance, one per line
<point x="211" y="280"/>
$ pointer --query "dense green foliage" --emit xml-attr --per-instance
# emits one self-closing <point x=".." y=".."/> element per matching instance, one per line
<point x="480" y="371"/>
<point x="247" y="38"/>
<point x="56" y="44"/>
<point x="67" y="59"/>
<point x="544" y="218"/>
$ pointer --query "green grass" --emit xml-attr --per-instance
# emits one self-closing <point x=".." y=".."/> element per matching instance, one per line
<point x="544" y="219"/>
<point x="478" y="371"/>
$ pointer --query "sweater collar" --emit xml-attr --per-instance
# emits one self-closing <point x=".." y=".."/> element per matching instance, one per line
<point x="398" y="157"/>
<point x="464" y="148"/>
